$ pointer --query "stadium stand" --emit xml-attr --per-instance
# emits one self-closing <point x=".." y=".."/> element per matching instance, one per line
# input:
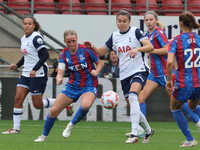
<point x="172" y="7"/>
<point x="1" y="8"/>
<point x="140" y="6"/>
<point x="96" y="7"/>
<point x="65" y="8"/>
<point x="195" y="6"/>
<point x="20" y="6"/>
<point x="118" y="5"/>
<point x="45" y="7"/>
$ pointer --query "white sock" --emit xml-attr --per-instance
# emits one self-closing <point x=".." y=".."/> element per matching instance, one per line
<point x="198" y="124"/>
<point x="48" y="102"/>
<point x="140" y="129"/>
<point x="17" y="113"/>
<point x="144" y="124"/>
<point x="70" y="124"/>
<point x="134" y="112"/>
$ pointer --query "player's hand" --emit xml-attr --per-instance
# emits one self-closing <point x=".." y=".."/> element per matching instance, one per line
<point x="13" y="66"/>
<point x="88" y="44"/>
<point x="169" y="85"/>
<point x="59" y="81"/>
<point x="94" y="73"/>
<point x="132" y="52"/>
<point x="32" y="74"/>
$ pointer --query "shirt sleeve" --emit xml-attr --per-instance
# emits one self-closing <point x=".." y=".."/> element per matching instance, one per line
<point x="38" y="42"/>
<point x="140" y="35"/>
<point x="109" y="43"/>
<point x="162" y="38"/>
<point x="172" y="46"/>
<point x="93" y="56"/>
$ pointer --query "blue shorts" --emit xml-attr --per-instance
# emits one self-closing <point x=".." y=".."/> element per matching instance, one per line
<point x="75" y="92"/>
<point x="183" y="94"/>
<point x="36" y="86"/>
<point x="159" y="80"/>
<point x="140" y="77"/>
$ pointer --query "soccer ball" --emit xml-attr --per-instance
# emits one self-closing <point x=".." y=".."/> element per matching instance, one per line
<point x="110" y="100"/>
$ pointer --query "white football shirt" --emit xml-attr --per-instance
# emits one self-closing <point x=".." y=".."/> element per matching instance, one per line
<point x="29" y="48"/>
<point x="121" y="43"/>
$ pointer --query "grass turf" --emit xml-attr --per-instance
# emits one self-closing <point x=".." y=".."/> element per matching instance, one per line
<point x="92" y="136"/>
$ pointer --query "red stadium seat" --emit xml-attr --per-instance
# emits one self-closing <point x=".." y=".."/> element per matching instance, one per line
<point x="196" y="7"/>
<point x="142" y="6"/>
<point x="45" y="7"/>
<point x="65" y="8"/>
<point x="118" y="5"/>
<point x="1" y="8"/>
<point x="94" y="5"/>
<point x="19" y="5"/>
<point x="172" y="6"/>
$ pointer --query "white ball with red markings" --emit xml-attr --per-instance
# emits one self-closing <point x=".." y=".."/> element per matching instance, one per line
<point x="110" y="100"/>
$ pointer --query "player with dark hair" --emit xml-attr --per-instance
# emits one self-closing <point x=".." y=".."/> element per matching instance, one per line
<point x="158" y="59"/>
<point x="186" y="48"/>
<point x="83" y="82"/>
<point x="34" y="73"/>
<point x="133" y="65"/>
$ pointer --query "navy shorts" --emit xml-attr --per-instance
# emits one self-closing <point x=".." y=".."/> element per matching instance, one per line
<point x="74" y="92"/>
<point x="183" y="94"/>
<point x="140" y="77"/>
<point x="36" y="85"/>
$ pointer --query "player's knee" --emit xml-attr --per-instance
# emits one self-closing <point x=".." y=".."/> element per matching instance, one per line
<point x="38" y="105"/>
<point x="86" y="106"/>
<point x="54" y="112"/>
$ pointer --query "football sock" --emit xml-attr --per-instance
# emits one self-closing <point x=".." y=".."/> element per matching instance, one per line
<point x="197" y="110"/>
<point x="17" y="113"/>
<point x="140" y="129"/>
<point x="80" y="114"/>
<point x="194" y="117"/>
<point x="49" y="122"/>
<point x="182" y="123"/>
<point x="48" y="102"/>
<point x="134" y="111"/>
<point x="144" y="124"/>
<point x="143" y="108"/>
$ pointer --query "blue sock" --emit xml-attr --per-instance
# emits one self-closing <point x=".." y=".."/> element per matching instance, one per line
<point x="197" y="110"/>
<point x="194" y="117"/>
<point x="143" y="108"/>
<point x="182" y="123"/>
<point x="80" y="114"/>
<point x="49" y="122"/>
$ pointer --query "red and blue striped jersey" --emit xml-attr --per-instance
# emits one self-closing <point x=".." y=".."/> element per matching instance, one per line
<point x="158" y="62"/>
<point x="186" y="48"/>
<point x="80" y="65"/>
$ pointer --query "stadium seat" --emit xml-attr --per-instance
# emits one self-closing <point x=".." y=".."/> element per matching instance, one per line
<point x="142" y="6"/>
<point x="1" y="8"/>
<point x="45" y="7"/>
<point x="195" y="7"/>
<point x="92" y="5"/>
<point x="118" y="5"/>
<point x="173" y="6"/>
<point x="20" y="6"/>
<point x="65" y="8"/>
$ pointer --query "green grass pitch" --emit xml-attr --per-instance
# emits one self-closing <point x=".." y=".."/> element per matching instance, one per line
<point x="93" y="136"/>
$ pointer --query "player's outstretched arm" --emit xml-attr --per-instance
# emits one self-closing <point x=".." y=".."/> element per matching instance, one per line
<point x="101" y="51"/>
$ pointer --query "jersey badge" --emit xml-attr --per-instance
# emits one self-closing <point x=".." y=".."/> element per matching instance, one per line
<point x="39" y="41"/>
<point x="81" y="57"/>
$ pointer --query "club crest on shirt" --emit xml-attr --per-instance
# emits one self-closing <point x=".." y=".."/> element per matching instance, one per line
<point x="39" y="41"/>
<point x="81" y="57"/>
<point x="151" y="38"/>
